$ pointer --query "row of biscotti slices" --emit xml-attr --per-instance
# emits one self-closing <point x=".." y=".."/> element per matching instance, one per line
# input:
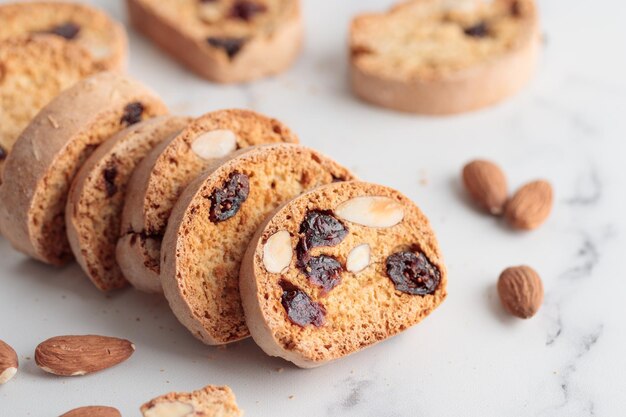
<point x="46" y="47"/>
<point x="172" y="204"/>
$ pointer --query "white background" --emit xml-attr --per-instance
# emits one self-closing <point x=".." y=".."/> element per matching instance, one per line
<point x="468" y="358"/>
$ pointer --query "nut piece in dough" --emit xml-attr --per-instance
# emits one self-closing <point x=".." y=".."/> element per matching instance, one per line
<point x="277" y="252"/>
<point x="170" y="409"/>
<point x="371" y="211"/>
<point x="358" y="258"/>
<point x="215" y="144"/>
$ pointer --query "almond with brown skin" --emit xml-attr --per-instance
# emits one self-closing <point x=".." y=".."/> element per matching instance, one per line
<point x="81" y="355"/>
<point x="8" y="362"/>
<point x="486" y="184"/>
<point x="530" y="206"/>
<point x="93" y="411"/>
<point x="521" y="291"/>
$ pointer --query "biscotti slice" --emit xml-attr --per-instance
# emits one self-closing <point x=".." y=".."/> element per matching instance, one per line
<point x="163" y="175"/>
<point x="96" y="198"/>
<point x="443" y="57"/>
<point x="103" y="38"/>
<point x="46" y="157"/>
<point x="33" y="71"/>
<point x="214" y="220"/>
<point x="211" y="401"/>
<point x="224" y="40"/>
<point x="338" y="269"/>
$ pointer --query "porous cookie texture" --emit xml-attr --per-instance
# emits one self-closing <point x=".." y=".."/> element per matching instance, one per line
<point x="102" y="37"/>
<point x="224" y="40"/>
<point x="96" y="198"/>
<point x="209" y="401"/>
<point x="33" y="70"/>
<point x="443" y="56"/>
<point x="363" y="265"/>
<point x="163" y="175"/>
<point x="48" y="154"/>
<point x="214" y="220"/>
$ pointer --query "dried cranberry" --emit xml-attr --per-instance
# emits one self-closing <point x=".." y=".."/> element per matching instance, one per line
<point x="67" y="30"/>
<point x="323" y="271"/>
<point x="3" y="154"/>
<point x="246" y="10"/>
<point x="231" y="46"/>
<point x="413" y="273"/>
<point x="479" y="30"/>
<point x="516" y="9"/>
<point x="109" y="174"/>
<point x="226" y="201"/>
<point x="300" y="309"/>
<point x="132" y="113"/>
<point x="321" y="228"/>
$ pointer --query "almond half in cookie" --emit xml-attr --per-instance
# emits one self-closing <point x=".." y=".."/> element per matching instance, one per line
<point x="213" y="222"/>
<point x="48" y="154"/>
<point x="96" y="199"/>
<point x="365" y="266"/>
<point x="162" y="176"/>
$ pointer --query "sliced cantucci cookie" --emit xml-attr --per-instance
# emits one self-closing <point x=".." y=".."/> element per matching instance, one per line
<point x="214" y="220"/>
<point x="338" y="269"/>
<point x="209" y="401"/>
<point x="47" y="156"/>
<point x="162" y="176"/>
<point x="96" y="198"/>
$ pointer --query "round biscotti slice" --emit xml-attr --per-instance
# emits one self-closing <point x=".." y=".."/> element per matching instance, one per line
<point x="224" y="40"/>
<point x="338" y="269"/>
<point x="102" y="37"/>
<point x="33" y="71"/>
<point x="96" y="198"/>
<point x="214" y="220"/>
<point x="207" y="402"/>
<point x="46" y="157"/>
<point x="163" y="175"/>
<point x="443" y="57"/>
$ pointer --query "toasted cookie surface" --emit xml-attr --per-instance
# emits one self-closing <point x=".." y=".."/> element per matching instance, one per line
<point x="33" y="70"/>
<point x="224" y="40"/>
<point x="426" y="56"/>
<point x="103" y="38"/>
<point x="46" y="157"/>
<point x="338" y="269"/>
<point x="209" y="401"/>
<point x="211" y="226"/>
<point x="96" y="198"/>
<point x="163" y="175"/>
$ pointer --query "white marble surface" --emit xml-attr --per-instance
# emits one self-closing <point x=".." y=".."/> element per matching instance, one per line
<point x="468" y="358"/>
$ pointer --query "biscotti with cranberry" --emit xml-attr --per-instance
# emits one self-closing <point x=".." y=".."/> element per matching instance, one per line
<point x="33" y="70"/>
<point x="338" y="269"/>
<point x="440" y="57"/>
<point x="212" y="223"/>
<point x="96" y="198"/>
<point x="91" y="28"/>
<point x="48" y="154"/>
<point x="226" y="41"/>
<point x="207" y="402"/>
<point x="162" y="176"/>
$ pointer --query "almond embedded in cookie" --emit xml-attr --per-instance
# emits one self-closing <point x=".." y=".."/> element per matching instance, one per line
<point x="212" y="223"/>
<point x="351" y="283"/>
<point x="162" y="176"/>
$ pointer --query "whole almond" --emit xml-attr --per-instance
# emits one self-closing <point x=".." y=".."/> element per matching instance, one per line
<point x="530" y="206"/>
<point x="521" y="291"/>
<point x="8" y="362"/>
<point x="93" y="411"/>
<point x="486" y="184"/>
<point x="81" y="355"/>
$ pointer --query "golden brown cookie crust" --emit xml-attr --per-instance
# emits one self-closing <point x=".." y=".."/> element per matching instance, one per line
<point x="208" y="401"/>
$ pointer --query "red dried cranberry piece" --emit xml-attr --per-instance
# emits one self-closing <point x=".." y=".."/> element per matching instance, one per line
<point x="413" y="273"/>
<point x="226" y="201"/>
<point x="231" y="46"/>
<point x="323" y="271"/>
<point x="300" y="309"/>
<point x="3" y="154"/>
<point x="132" y="113"/>
<point x="479" y="30"/>
<point x="321" y="228"/>
<point x="67" y="30"/>
<point x="109" y="174"/>
<point x="246" y="10"/>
